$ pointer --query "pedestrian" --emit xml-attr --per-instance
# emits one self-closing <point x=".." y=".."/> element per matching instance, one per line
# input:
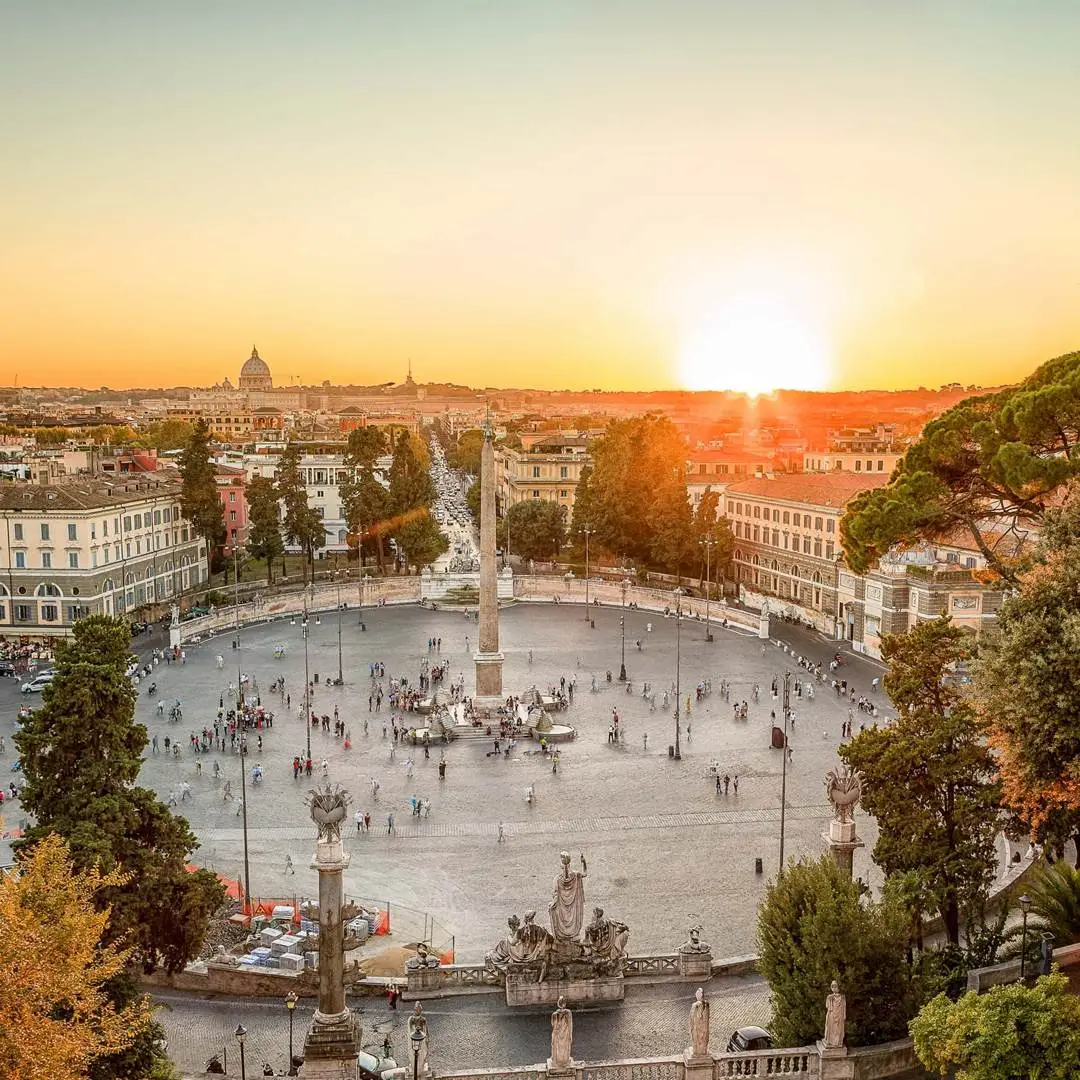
<point x="718" y="782"/>
<point x="359" y="819"/>
<point x="389" y="827"/>
<point x="727" y="783"/>
<point x="288" y="865"/>
<point x="645" y="741"/>
<point x="502" y="837"/>
<point x="735" y="784"/>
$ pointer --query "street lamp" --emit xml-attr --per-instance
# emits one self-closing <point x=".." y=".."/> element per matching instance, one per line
<point x="307" y="682"/>
<point x="241" y="1034"/>
<point x="417" y="1039"/>
<point x="290" y="1004"/>
<point x="360" y="582"/>
<point x="678" y="658"/>
<point x="707" y="544"/>
<point x="783" y="768"/>
<point x="337" y="575"/>
<point x="1025" y="907"/>
<point x="588" y="532"/>
<point x="622" y="631"/>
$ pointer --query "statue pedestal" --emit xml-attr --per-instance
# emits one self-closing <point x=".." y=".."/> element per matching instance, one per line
<point x="523" y="989"/>
<point x="559" y="1071"/>
<point x="836" y="1062"/>
<point x="332" y="1048"/>
<point x="489" y="687"/>
<point x="697" y="1066"/>
<point x="694" y="964"/>
<point x="842" y="842"/>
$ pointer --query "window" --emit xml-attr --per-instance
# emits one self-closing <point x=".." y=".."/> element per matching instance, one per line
<point x="127" y="524"/>
<point x="806" y="521"/>
<point x="817" y="549"/>
<point x="563" y="493"/>
<point x="536" y="472"/>
<point x="49" y="612"/>
<point x="563" y="473"/>
<point x="776" y="538"/>
<point x="776" y="516"/>
<point x="46" y="560"/>
<point x="22" y="612"/>
<point x="127" y="550"/>
<point x="817" y="524"/>
<point x="18" y="532"/>
<point x="73" y="560"/>
<point x="20" y="560"/>
<point x="806" y="545"/>
<point x="165" y="515"/>
<point x="44" y="530"/>
<point x="536" y="493"/>
<point x="73" y="613"/>
<point x="157" y="517"/>
<point x="757" y="511"/>
<point x="858" y="465"/>
<point x="757" y="533"/>
<point x="138" y="521"/>
<point x="232" y="515"/>
<point x="787" y="518"/>
<point x="830" y="525"/>
<point x="729" y="505"/>
<point x="969" y="563"/>
<point x="829" y="550"/>
<point x="73" y="531"/>
<point x="880" y="465"/>
<point x="319" y="495"/>
<point x="232" y="496"/>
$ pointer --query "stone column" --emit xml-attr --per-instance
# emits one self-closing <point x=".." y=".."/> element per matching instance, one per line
<point x="842" y="842"/>
<point x="333" y="1043"/>
<point x="489" y="691"/>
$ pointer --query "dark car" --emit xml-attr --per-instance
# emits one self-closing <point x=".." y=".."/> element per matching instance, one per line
<point x="749" y="1038"/>
<point x="7" y="670"/>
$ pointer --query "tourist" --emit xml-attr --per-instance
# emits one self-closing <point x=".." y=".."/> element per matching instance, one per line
<point x="289" y="865"/>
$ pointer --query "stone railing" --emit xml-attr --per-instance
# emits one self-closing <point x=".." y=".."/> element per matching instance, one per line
<point x="653" y="965"/>
<point x="801" y="1061"/>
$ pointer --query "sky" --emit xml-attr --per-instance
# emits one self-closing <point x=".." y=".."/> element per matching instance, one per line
<point x="617" y="194"/>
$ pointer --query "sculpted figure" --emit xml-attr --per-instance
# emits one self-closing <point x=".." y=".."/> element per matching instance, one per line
<point x="694" y="943"/>
<point x="606" y="938"/>
<point x="835" y="1017"/>
<point x="567" y="908"/>
<point x="418" y="1022"/>
<point x="562" y="1036"/>
<point x="533" y="945"/>
<point x="504" y="953"/>
<point x="699" y="1026"/>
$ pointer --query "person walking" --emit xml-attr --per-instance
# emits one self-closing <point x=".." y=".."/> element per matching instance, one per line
<point x="289" y="865"/>
<point x="389" y="828"/>
<point x="358" y="817"/>
<point x="502" y="835"/>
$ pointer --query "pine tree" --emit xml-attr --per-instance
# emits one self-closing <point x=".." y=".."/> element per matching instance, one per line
<point x="264" y="529"/>
<point x="199" y="497"/>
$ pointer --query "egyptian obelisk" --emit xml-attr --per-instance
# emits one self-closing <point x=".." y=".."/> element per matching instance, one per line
<point x="489" y="661"/>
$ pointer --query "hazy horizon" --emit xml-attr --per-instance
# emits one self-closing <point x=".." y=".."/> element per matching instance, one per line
<point x="553" y="196"/>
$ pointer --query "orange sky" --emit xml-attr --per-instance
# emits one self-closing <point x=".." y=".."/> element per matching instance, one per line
<point x="627" y="194"/>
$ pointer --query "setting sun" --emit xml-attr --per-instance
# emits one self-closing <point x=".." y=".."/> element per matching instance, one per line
<point x="754" y="345"/>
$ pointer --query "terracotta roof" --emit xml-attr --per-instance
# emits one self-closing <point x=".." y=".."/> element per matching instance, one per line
<point x="835" y="489"/>
<point x="83" y="496"/>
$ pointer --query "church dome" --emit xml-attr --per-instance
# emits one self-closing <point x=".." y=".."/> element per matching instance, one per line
<point x="255" y="374"/>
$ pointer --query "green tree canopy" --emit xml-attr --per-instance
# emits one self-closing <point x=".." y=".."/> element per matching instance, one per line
<point x="465" y="453"/>
<point x="199" y="497"/>
<point x="713" y="529"/>
<point x="264" y="529"/>
<point x="986" y="466"/>
<point x="472" y="500"/>
<point x="81" y="753"/>
<point x="365" y="502"/>
<point x="302" y="523"/>
<point x="420" y="538"/>
<point x="813" y="927"/>
<point x="537" y="529"/>
<point x="1028" y="681"/>
<point x="411" y="485"/>
<point x="930" y="779"/>
<point x="164" y="435"/>
<point x="1009" y="1033"/>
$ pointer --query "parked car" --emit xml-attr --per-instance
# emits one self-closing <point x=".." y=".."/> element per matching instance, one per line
<point x="7" y="670"/>
<point x="749" y="1038"/>
<point x="38" y="683"/>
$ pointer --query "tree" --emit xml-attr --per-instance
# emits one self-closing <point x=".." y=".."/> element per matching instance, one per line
<point x="303" y="525"/>
<point x="420" y="538"/>
<point x="930" y="778"/>
<point x="583" y="506"/>
<point x="163" y="435"/>
<point x="988" y="466"/>
<point x="537" y="529"/>
<point x="264" y="530"/>
<point x="56" y="1017"/>
<point x="465" y="453"/>
<point x="472" y="500"/>
<point x="411" y="485"/>
<point x="813" y="927"/>
<point x="365" y="501"/>
<point x="1028" y="683"/>
<point x="1009" y="1033"/>
<point x="199" y="498"/>
<point x="710" y="526"/>
<point x="91" y="800"/>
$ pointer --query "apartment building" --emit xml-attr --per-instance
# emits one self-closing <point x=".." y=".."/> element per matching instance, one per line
<point x="231" y="483"/>
<point x="857" y="461"/>
<point x="549" y="471"/>
<point x="714" y="469"/>
<point x="94" y="547"/>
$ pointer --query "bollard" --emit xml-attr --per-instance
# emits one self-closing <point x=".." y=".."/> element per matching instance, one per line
<point x="671" y="750"/>
<point x="316" y="676"/>
<point x="758" y="867"/>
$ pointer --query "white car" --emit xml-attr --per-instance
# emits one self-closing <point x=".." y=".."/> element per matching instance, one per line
<point x="38" y="683"/>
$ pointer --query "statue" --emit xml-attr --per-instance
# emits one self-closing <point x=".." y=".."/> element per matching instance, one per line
<point x="567" y="908"/>
<point x="533" y="945"/>
<point x="835" y="1017"/>
<point x="699" y="1026"/>
<point x="329" y="806"/>
<point x="175" y="612"/>
<point x="505" y="951"/>
<point x="605" y="938"/>
<point x="562" y="1036"/>
<point x="694" y="943"/>
<point x="418" y="1022"/>
<point x="844" y="788"/>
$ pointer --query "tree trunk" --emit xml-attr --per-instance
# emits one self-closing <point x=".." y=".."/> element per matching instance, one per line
<point x="950" y="914"/>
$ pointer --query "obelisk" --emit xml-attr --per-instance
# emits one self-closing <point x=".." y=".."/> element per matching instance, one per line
<point x="333" y="1043"/>
<point x="488" y="659"/>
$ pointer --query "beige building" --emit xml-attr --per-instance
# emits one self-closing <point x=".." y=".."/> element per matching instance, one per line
<point x="92" y="548"/>
<point x="861" y="461"/>
<point x="549" y="471"/>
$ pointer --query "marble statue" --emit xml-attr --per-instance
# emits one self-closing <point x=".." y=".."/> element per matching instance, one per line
<point x="174" y="611"/>
<point x="562" y="1036"/>
<point x="329" y="806"/>
<point x="694" y="943"/>
<point x="605" y="938"/>
<point x="699" y="1025"/>
<point x="567" y="908"/>
<point x="505" y="951"/>
<point x="835" y="1017"/>
<point x="418" y="1022"/>
<point x="844" y="788"/>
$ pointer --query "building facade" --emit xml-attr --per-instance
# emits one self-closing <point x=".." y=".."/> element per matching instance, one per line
<point x="231" y="483"/>
<point x="549" y="471"/>
<point x="93" y="548"/>
<point x="856" y="461"/>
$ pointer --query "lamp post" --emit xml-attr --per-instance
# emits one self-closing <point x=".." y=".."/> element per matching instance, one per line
<point x="622" y="631"/>
<point x="707" y="544"/>
<point x="783" y="768"/>
<point x="337" y="575"/>
<point x="307" y="682"/>
<point x="416" y="1038"/>
<point x="678" y="665"/>
<point x="588" y="532"/>
<point x="360" y="582"/>
<point x="241" y="1034"/>
<point x="1025" y="907"/>
<point x="290" y="1004"/>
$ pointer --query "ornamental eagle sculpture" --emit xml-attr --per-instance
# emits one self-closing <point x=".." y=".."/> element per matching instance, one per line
<point x="844" y="788"/>
<point x="329" y="806"/>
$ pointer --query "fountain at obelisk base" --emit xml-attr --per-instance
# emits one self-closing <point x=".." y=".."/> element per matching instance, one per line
<point x="333" y="1043"/>
<point x="489" y="660"/>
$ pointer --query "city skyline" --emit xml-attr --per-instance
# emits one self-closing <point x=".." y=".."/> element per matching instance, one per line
<point x="554" y="196"/>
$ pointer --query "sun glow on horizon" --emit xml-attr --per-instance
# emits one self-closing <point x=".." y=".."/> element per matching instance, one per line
<point x="754" y="345"/>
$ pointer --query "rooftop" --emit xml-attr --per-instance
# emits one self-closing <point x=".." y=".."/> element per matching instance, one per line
<point x="83" y="496"/>
<point x="835" y="489"/>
